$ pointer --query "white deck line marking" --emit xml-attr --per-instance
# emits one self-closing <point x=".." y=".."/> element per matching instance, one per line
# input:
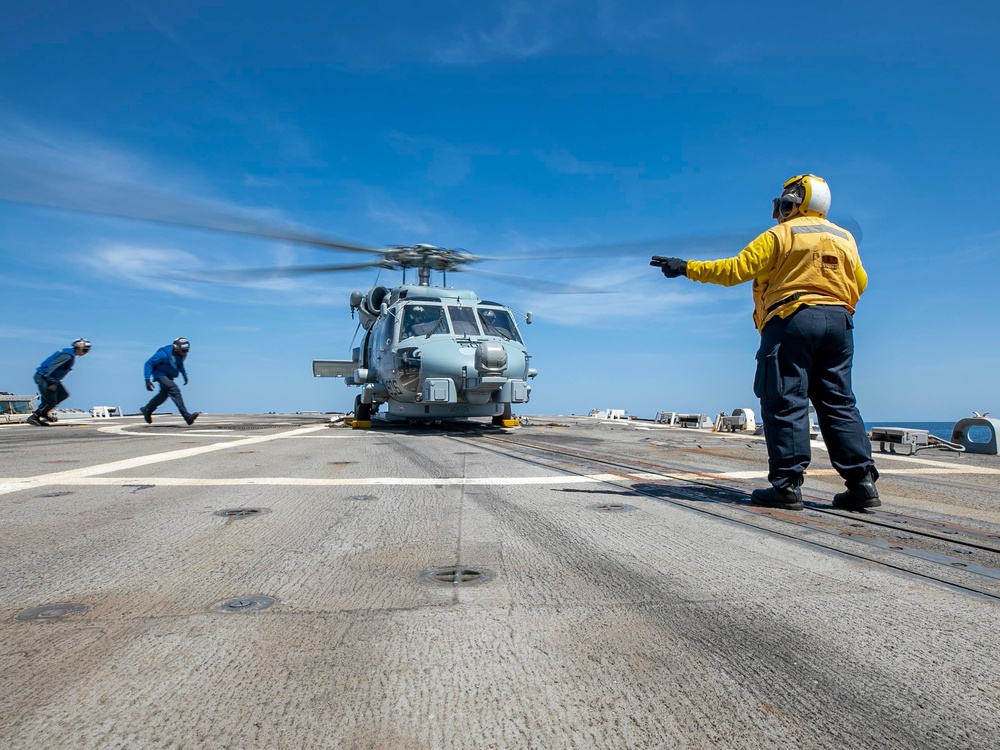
<point x="61" y="478"/>
<point x="136" y="430"/>
<point x="73" y="475"/>
<point x="217" y="434"/>
<point x="333" y="482"/>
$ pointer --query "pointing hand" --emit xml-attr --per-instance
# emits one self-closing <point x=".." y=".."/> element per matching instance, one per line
<point x="671" y="267"/>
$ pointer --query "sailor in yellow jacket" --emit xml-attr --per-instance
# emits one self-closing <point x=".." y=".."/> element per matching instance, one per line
<point x="807" y="278"/>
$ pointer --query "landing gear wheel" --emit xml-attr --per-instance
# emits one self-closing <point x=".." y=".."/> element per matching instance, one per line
<point x="500" y="419"/>
<point x="362" y="412"/>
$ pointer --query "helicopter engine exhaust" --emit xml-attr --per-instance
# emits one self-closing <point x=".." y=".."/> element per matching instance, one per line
<point x="368" y="305"/>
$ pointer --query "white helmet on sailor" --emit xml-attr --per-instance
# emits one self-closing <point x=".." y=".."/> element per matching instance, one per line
<point x="802" y="195"/>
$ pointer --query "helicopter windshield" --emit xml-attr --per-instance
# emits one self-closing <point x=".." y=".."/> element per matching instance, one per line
<point x="498" y="322"/>
<point x="423" y="320"/>
<point x="463" y="320"/>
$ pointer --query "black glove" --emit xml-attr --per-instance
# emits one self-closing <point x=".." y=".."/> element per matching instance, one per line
<point x="149" y="385"/>
<point x="671" y="267"/>
<point x="185" y="380"/>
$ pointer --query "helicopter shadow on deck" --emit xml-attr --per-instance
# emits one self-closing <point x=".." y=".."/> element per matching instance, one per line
<point x="693" y="492"/>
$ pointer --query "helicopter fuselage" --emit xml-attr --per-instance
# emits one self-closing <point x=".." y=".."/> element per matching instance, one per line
<point x="431" y="353"/>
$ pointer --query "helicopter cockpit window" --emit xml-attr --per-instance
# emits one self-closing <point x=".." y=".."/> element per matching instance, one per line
<point x="423" y="320"/>
<point x="463" y="320"/>
<point x="498" y="323"/>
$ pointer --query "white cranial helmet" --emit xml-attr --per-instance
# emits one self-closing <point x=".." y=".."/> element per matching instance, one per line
<point x="802" y="195"/>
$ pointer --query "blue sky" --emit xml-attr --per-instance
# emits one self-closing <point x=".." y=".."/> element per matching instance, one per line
<point x="506" y="129"/>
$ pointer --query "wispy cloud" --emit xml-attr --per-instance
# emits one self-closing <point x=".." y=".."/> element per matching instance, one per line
<point x="448" y="164"/>
<point x="71" y="171"/>
<point x="180" y="273"/>
<point x="144" y="267"/>
<point x="35" y="335"/>
<point x="383" y="210"/>
<point x="522" y="31"/>
<point x="627" y="290"/>
<point x="561" y="161"/>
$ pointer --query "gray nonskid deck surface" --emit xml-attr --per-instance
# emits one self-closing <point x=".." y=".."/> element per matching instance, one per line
<point x="655" y="627"/>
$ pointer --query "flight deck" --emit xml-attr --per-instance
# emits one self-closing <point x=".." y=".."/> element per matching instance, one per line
<point x="285" y="581"/>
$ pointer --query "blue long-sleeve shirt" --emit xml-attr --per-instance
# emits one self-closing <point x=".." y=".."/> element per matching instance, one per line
<point x="56" y="366"/>
<point x="164" y="363"/>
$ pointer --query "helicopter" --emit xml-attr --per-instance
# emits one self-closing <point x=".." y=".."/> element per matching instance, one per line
<point x="433" y="353"/>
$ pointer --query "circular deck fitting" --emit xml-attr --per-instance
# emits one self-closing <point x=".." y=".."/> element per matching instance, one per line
<point x="243" y="604"/>
<point x="242" y="512"/>
<point x="365" y="498"/>
<point x="51" y="612"/>
<point x="612" y="507"/>
<point x="455" y="576"/>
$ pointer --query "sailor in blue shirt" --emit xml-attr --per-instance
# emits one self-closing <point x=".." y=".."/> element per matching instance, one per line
<point x="49" y="377"/>
<point x="164" y="366"/>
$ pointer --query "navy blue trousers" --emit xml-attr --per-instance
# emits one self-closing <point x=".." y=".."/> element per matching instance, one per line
<point x="168" y="388"/>
<point x="806" y="357"/>
<point x="52" y="394"/>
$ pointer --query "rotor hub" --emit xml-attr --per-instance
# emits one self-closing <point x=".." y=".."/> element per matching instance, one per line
<point x="425" y="256"/>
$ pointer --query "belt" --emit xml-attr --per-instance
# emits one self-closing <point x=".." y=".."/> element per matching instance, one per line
<point x="783" y="302"/>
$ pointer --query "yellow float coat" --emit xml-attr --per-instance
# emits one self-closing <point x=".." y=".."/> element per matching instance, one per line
<point x="803" y="261"/>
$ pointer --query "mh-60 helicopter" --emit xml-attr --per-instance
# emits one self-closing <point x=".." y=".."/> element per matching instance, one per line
<point x="432" y="353"/>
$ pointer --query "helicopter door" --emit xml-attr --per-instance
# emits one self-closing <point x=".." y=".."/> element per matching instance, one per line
<point x="367" y="356"/>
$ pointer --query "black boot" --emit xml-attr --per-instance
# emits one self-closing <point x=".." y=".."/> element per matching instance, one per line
<point x="36" y="421"/>
<point x="859" y="495"/>
<point x="191" y="417"/>
<point x="785" y="498"/>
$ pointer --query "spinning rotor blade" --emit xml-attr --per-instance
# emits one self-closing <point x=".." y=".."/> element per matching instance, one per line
<point x="539" y="285"/>
<point x="851" y="225"/>
<point x="722" y="244"/>
<point x="35" y="185"/>
<point x="727" y="243"/>
<point x="237" y="275"/>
